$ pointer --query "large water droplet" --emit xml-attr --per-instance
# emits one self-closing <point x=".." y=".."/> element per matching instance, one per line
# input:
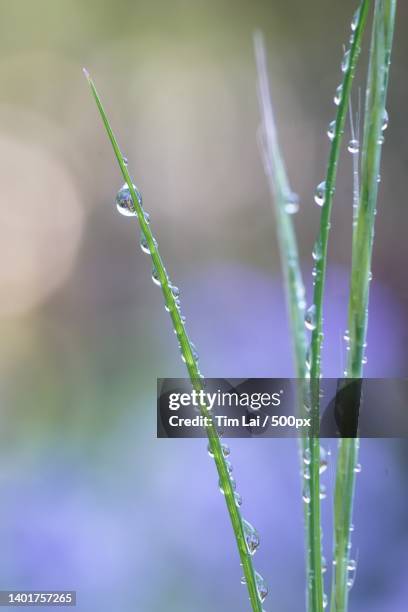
<point x="175" y="291"/>
<point x="251" y="537"/>
<point x="124" y="202"/>
<point x="320" y="193"/>
<point x="353" y="146"/>
<point x="292" y="203"/>
<point x="345" y="64"/>
<point x="310" y="318"/>
<point x="261" y="587"/>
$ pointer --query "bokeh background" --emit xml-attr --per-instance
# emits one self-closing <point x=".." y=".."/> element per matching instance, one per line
<point x="89" y="499"/>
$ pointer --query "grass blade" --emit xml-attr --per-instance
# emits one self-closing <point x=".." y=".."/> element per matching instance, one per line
<point x="285" y="203"/>
<point x="316" y="315"/>
<point x="226" y="483"/>
<point x="363" y="238"/>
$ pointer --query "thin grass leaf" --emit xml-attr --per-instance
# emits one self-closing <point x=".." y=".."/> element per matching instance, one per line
<point x="239" y="525"/>
<point x="314" y="316"/>
<point x="285" y="204"/>
<point x="363" y="239"/>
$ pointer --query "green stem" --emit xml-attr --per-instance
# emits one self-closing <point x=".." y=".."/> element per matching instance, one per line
<point x="318" y="294"/>
<point x="284" y="199"/>
<point x="215" y="446"/>
<point x="363" y="239"/>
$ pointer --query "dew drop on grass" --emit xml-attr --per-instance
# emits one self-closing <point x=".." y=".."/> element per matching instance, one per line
<point x="322" y="492"/>
<point x="238" y="499"/>
<point x="323" y="460"/>
<point x="155" y="277"/>
<point x="251" y="537"/>
<point x="175" y="291"/>
<point x="325" y="601"/>
<point x="317" y="250"/>
<point x="354" y="21"/>
<point x="243" y="580"/>
<point x="385" y="120"/>
<point x="125" y="160"/>
<point x="310" y="318"/>
<point x="338" y="95"/>
<point x="224" y="449"/>
<point x="261" y="587"/>
<point x="229" y="467"/>
<point x="357" y="468"/>
<point x="320" y="193"/>
<point x="331" y="130"/>
<point x="353" y="146"/>
<point x="324" y="565"/>
<point x="306" y="456"/>
<point x="345" y="64"/>
<point x="292" y="203"/>
<point x="124" y="202"/>
<point x="306" y="493"/>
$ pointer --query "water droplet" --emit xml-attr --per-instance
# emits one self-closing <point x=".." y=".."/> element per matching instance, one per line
<point x="325" y="600"/>
<point x="251" y="537"/>
<point x="310" y="318"/>
<point x="351" y="527"/>
<point x="322" y="492"/>
<point x="175" y="291"/>
<point x="324" y="565"/>
<point x="238" y="499"/>
<point x="155" y="277"/>
<point x="385" y="120"/>
<point x="306" y="493"/>
<point x="125" y="160"/>
<point x="229" y="467"/>
<point x="224" y="449"/>
<point x="354" y="21"/>
<point x="364" y="360"/>
<point x="345" y="64"/>
<point x="292" y="203"/>
<point x="317" y="250"/>
<point x="331" y="130"/>
<point x="306" y="473"/>
<point x="353" y="146"/>
<point x="124" y="202"/>
<point x="243" y="580"/>
<point x="357" y="468"/>
<point x="144" y="245"/>
<point x="338" y="95"/>
<point x="381" y="139"/>
<point x="347" y="335"/>
<point x="320" y="193"/>
<point x="306" y="456"/>
<point x="323" y="460"/>
<point x="261" y="587"/>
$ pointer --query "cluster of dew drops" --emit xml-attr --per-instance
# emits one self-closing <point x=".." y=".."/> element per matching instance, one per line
<point x="125" y="207"/>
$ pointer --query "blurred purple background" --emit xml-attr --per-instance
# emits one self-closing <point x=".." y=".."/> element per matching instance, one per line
<point x="90" y="500"/>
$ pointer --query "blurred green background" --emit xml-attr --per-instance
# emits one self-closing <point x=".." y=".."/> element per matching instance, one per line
<point x="89" y="499"/>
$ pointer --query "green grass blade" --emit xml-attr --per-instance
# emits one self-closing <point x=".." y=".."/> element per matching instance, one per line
<point x="284" y="199"/>
<point x="363" y="238"/>
<point x="350" y="62"/>
<point x="188" y="354"/>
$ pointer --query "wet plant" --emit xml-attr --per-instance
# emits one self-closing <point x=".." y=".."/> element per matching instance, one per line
<point x="129" y="203"/>
<point x="306" y="322"/>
